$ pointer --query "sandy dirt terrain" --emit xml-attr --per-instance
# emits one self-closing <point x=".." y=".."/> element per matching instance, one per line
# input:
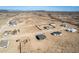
<point x="30" y="32"/>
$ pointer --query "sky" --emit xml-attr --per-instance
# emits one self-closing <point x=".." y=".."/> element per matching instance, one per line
<point x="39" y="2"/>
<point x="46" y="8"/>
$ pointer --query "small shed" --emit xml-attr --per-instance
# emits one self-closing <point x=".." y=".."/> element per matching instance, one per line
<point x="12" y="23"/>
<point x="6" y="33"/>
<point x="40" y="36"/>
<point x="3" y="43"/>
<point x="71" y="30"/>
<point x="57" y="33"/>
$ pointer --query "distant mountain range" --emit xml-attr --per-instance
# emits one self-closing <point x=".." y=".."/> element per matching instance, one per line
<point x="4" y="10"/>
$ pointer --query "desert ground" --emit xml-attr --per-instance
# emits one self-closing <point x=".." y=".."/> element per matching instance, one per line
<point x="39" y="32"/>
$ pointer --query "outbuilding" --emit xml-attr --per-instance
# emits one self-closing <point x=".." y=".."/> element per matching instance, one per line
<point x="40" y="36"/>
<point x="12" y="23"/>
<point x="57" y="33"/>
<point x="4" y="43"/>
<point x="71" y="30"/>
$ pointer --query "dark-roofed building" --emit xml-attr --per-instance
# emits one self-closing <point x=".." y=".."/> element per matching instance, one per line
<point x="56" y="33"/>
<point x="40" y="36"/>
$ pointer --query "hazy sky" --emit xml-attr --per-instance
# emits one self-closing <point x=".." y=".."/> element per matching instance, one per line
<point x="47" y="8"/>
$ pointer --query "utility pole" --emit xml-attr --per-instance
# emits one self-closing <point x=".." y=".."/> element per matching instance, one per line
<point x="20" y="46"/>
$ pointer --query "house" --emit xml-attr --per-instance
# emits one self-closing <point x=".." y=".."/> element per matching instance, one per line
<point x="71" y="30"/>
<point x="12" y="23"/>
<point x="3" y="43"/>
<point x="40" y="36"/>
<point x="57" y="33"/>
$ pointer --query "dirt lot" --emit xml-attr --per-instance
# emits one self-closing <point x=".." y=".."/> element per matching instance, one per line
<point x="20" y="30"/>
